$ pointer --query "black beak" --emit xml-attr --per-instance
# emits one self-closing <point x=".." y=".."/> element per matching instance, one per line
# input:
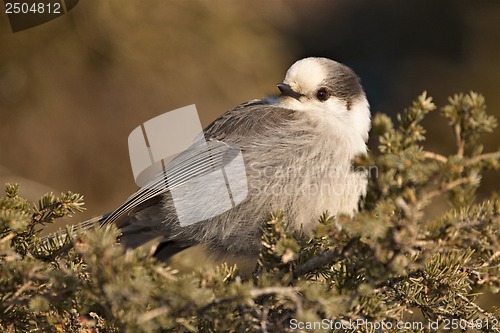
<point x="286" y="90"/>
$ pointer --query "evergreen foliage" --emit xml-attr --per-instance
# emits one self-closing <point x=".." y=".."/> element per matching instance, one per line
<point x="390" y="264"/>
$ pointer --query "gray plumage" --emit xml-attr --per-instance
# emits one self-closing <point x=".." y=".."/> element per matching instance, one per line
<point x="297" y="148"/>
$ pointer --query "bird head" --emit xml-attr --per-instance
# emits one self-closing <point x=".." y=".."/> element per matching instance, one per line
<point x="328" y="91"/>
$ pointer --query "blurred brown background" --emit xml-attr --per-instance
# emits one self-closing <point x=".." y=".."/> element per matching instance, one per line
<point x="73" y="89"/>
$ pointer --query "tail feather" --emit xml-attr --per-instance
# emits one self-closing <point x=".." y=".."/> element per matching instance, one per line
<point x="72" y="229"/>
<point x="167" y="249"/>
<point x="132" y="236"/>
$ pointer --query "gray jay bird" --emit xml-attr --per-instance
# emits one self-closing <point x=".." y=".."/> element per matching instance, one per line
<point x="297" y="148"/>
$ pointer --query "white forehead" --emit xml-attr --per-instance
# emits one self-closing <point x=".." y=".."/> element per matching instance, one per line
<point x="306" y="75"/>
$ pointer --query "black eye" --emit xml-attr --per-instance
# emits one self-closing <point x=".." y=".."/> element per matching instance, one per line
<point x="322" y="94"/>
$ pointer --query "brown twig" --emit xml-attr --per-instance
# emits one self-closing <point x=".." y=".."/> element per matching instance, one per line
<point x="482" y="157"/>
<point x="316" y="262"/>
<point x="447" y="187"/>
<point x="290" y="292"/>
<point x="460" y="142"/>
<point x="435" y="156"/>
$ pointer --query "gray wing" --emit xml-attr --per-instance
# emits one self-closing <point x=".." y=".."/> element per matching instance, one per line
<point x="200" y="159"/>
<point x="249" y="126"/>
<point x="225" y="137"/>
